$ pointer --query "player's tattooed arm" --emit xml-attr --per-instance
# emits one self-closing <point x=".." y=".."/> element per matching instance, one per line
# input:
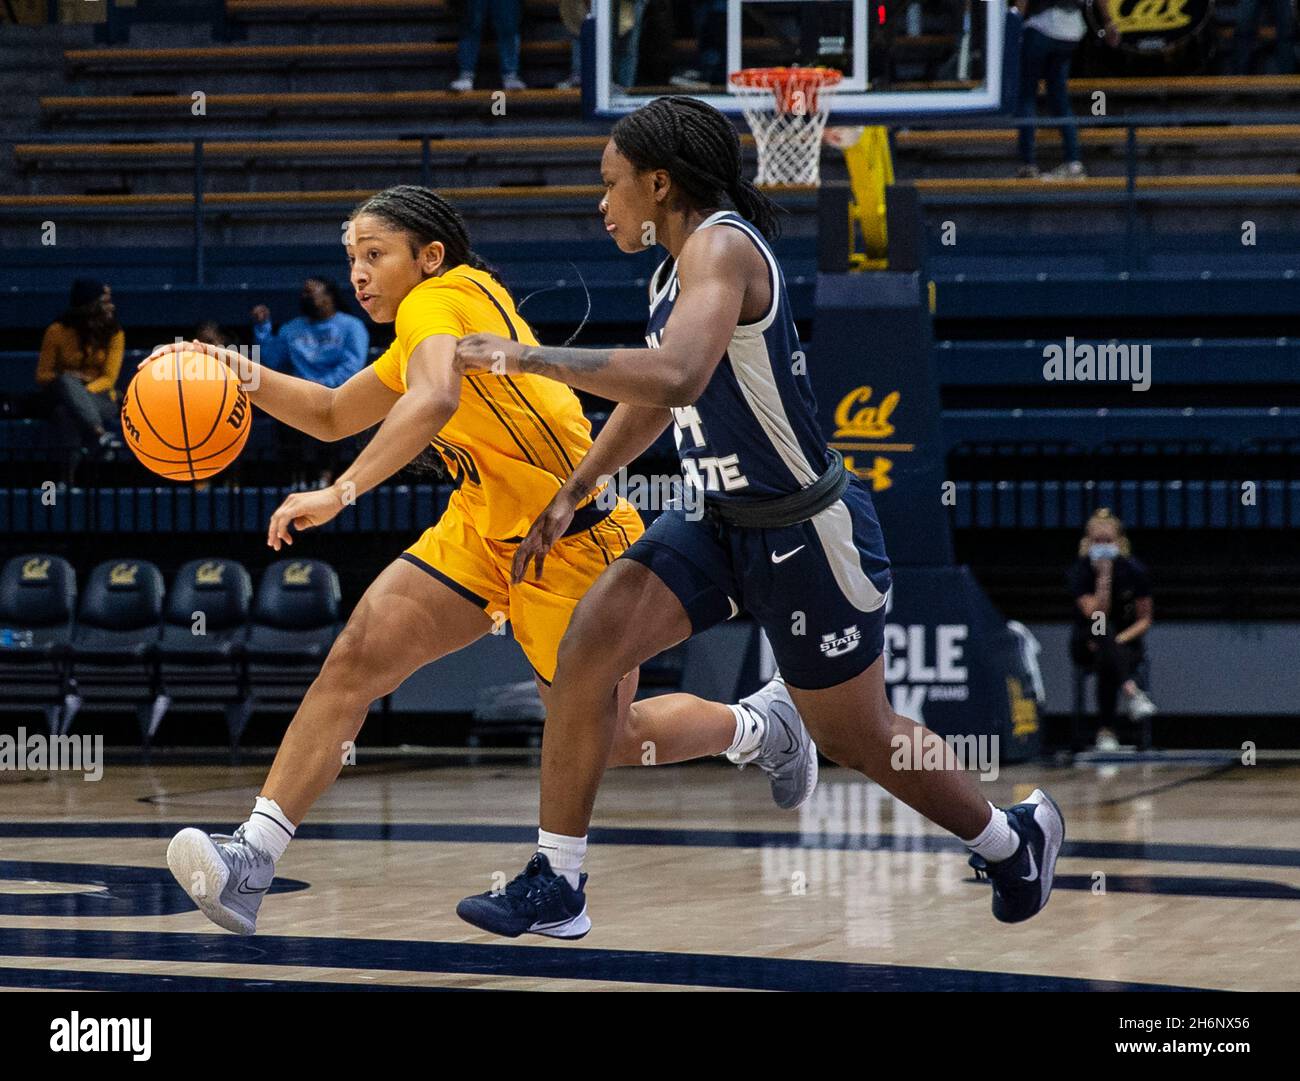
<point x="651" y="377"/>
<point x="556" y="362"/>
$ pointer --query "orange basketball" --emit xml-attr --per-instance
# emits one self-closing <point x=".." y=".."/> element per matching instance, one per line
<point x="185" y="416"/>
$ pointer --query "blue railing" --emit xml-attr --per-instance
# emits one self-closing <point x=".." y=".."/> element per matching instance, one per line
<point x="1030" y="193"/>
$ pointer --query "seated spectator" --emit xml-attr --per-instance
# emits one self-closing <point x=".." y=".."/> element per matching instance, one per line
<point x="1245" y="35"/>
<point x="1113" y="610"/>
<point x="323" y="344"/>
<point x="81" y="356"/>
<point x="505" y="23"/>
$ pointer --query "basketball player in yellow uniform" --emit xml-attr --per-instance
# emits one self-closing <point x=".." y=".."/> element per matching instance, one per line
<point x="513" y="443"/>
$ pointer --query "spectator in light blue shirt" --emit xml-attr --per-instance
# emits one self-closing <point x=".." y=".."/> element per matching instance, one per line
<point x="323" y="344"/>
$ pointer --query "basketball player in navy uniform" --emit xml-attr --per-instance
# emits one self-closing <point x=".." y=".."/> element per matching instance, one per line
<point x="788" y="535"/>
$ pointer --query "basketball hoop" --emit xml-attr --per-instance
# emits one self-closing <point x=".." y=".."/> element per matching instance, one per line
<point x="786" y="109"/>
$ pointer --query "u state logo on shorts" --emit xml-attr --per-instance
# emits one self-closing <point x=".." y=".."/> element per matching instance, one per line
<point x="833" y="645"/>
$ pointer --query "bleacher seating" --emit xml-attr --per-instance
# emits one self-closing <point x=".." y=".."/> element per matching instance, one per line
<point x="114" y="155"/>
<point x="38" y="601"/>
<point x="112" y="660"/>
<point x="127" y="643"/>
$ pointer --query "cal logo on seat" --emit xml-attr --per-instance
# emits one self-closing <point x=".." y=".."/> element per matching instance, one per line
<point x="123" y="574"/>
<point x="209" y="574"/>
<point x="36" y="570"/>
<point x="297" y="574"/>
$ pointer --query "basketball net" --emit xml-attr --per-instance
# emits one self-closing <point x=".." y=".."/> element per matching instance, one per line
<point x="786" y="109"/>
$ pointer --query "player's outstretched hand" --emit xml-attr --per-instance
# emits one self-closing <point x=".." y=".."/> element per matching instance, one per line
<point x="544" y="532"/>
<point x="487" y="353"/>
<point x="303" y="510"/>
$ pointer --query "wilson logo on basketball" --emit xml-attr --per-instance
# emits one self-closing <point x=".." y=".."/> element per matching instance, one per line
<point x="128" y="426"/>
<point x="238" y="411"/>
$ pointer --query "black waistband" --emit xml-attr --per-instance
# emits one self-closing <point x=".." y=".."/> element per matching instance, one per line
<point x="584" y="518"/>
<point x="784" y="510"/>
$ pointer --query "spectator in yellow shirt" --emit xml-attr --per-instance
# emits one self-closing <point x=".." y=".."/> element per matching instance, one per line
<point x="81" y="356"/>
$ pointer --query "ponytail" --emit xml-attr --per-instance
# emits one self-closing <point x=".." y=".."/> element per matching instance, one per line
<point x="755" y="207"/>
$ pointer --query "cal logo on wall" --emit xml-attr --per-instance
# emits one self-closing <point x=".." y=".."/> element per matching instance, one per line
<point x="862" y="425"/>
<point x="872" y="370"/>
<point x="1149" y="27"/>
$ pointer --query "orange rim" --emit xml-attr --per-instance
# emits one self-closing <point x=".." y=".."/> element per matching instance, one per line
<point x="786" y="82"/>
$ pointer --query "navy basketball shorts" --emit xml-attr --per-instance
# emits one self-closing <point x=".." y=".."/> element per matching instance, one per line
<point x="817" y="588"/>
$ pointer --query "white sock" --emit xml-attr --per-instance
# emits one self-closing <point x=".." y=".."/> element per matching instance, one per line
<point x="998" y="841"/>
<point x="268" y="829"/>
<point x="564" y="853"/>
<point x="751" y="727"/>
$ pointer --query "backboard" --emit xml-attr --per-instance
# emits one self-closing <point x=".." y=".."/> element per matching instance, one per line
<point x="898" y="58"/>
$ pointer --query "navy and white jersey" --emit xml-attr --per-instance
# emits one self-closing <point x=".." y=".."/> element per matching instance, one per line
<point x="753" y="433"/>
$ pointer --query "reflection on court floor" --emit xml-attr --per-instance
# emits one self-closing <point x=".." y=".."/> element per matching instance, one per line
<point x="696" y="882"/>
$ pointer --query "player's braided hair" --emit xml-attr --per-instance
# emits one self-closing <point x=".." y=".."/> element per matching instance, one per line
<point x="425" y="216"/>
<point x="700" y="150"/>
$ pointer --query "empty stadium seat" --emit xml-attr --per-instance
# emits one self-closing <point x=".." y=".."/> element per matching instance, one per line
<point x="296" y="613"/>
<point x="114" y="645"/>
<point x="295" y="621"/>
<point x="38" y="598"/>
<point x="207" y="613"/>
<point x="201" y="652"/>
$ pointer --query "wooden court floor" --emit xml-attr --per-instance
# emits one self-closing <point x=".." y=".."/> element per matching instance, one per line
<point x="1183" y="874"/>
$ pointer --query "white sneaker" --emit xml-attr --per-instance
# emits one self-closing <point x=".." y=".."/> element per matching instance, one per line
<point x="223" y="874"/>
<point x="463" y="82"/>
<point x="513" y="82"/>
<point x="1106" y="741"/>
<point x="1140" y="706"/>
<point x="787" y="753"/>
<point x="1068" y="170"/>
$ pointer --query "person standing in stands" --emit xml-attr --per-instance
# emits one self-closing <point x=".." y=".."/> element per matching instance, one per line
<point x="1052" y="31"/>
<point x="324" y="344"/>
<point x="81" y="356"/>
<point x="505" y="23"/>
<point x="573" y="12"/>
<point x="1113" y="611"/>
<point x="1246" y="33"/>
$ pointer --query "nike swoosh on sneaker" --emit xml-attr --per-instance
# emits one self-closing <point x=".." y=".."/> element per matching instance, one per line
<point x="1033" y="867"/>
<point x="794" y="743"/>
<point x="249" y="892"/>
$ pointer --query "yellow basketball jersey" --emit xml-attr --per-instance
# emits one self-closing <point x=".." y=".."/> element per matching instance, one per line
<point x="514" y="438"/>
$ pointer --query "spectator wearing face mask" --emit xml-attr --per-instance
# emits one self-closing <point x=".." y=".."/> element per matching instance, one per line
<point x="1113" y="612"/>
<point x="323" y="344"/>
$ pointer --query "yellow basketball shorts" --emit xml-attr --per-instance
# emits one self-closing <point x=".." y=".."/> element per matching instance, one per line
<point x="539" y="609"/>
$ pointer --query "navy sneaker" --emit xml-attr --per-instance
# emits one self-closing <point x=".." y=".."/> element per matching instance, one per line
<point x="1023" y="882"/>
<point x="537" y="901"/>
